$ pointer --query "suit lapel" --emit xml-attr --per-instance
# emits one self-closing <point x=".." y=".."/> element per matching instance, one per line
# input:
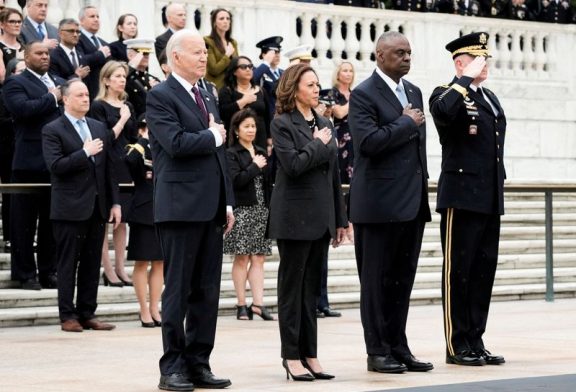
<point x="386" y="92"/>
<point x="34" y="80"/>
<point x="479" y="99"/>
<point x="186" y="99"/>
<point x="494" y="101"/>
<point x="301" y="124"/>
<point x="412" y="96"/>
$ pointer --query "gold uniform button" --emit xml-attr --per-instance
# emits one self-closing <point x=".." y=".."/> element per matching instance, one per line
<point x="497" y="159"/>
<point x="498" y="146"/>
<point x="497" y="133"/>
<point x="496" y="121"/>
<point x="460" y="170"/>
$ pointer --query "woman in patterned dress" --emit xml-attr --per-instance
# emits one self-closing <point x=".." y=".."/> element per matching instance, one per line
<point x="247" y="242"/>
<point x="342" y="80"/>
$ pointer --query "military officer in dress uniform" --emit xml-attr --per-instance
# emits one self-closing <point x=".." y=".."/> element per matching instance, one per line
<point x="471" y="124"/>
<point x="300" y="54"/>
<point x="139" y="81"/>
<point x="415" y="5"/>
<point x="518" y="10"/>
<point x="554" y="11"/>
<point x="459" y="7"/>
<point x="268" y="73"/>
<point x="494" y="8"/>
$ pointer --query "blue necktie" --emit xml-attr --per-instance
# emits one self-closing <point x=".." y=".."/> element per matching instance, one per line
<point x="84" y="132"/>
<point x="41" y="32"/>
<point x="401" y="94"/>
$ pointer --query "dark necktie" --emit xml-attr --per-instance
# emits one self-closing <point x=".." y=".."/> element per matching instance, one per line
<point x="200" y="102"/>
<point x="73" y="59"/>
<point x="95" y="40"/>
<point x="41" y="32"/>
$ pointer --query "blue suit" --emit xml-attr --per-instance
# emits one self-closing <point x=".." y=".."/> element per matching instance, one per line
<point x="264" y="77"/>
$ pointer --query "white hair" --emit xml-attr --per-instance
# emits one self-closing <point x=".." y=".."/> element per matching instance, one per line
<point x="175" y="43"/>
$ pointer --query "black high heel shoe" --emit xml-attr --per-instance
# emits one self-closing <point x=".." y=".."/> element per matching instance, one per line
<point x="156" y="322"/>
<point x="296" y="377"/>
<point x="151" y="324"/>
<point x="242" y="313"/>
<point x="264" y="312"/>
<point x="111" y="284"/>
<point x="125" y="282"/>
<point x="319" y="375"/>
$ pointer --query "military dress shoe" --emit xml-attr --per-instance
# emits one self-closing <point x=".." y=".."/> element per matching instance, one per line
<point x="96" y="325"/>
<point x="465" y="358"/>
<point x="204" y="378"/>
<point x="385" y="364"/>
<point x="30" y="284"/>
<point x="413" y="364"/>
<point x="490" y="358"/>
<point x="319" y="314"/>
<point x="328" y="312"/>
<point x="71" y="325"/>
<point x="49" y="282"/>
<point x="175" y="382"/>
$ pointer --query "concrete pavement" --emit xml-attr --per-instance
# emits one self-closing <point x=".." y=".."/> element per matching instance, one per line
<point x="537" y="339"/>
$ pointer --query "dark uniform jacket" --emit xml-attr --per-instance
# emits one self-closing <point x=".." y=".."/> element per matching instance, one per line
<point x="139" y="161"/>
<point x="472" y="139"/>
<point x="137" y="87"/>
<point x="552" y="12"/>
<point x="242" y="174"/>
<point x="460" y="7"/>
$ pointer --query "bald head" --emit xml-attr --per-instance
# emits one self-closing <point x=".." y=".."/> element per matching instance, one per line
<point x="176" y="16"/>
<point x="393" y="54"/>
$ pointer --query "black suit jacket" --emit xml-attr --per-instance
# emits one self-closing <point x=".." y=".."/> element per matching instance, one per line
<point x="29" y="33"/>
<point x="472" y="138"/>
<point x="61" y="64"/>
<point x="118" y="50"/>
<point x="96" y="63"/>
<point x="307" y="197"/>
<point x="76" y="180"/>
<point x="161" y="42"/>
<point x="242" y="173"/>
<point x="390" y="172"/>
<point x="191" y="173"/>
<point x="141" y="206"/>
<point x="32" y="107"/>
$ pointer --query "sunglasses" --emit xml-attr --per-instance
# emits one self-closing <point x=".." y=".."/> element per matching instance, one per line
<point x="245" y="66"/>
<point x="72" y="31"/>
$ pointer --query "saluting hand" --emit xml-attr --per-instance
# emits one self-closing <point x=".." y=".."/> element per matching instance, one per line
<point x="323" y="134"/>
<point x="93" y="147"/>
<point x="475" y="67"/>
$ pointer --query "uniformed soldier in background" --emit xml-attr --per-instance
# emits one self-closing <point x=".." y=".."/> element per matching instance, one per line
<point x="139" y="81"/>
<point x="553" y="11"/>
<point x="471" y="124"/>
<point x="459" y="7"/>
<point x="518" y="10"/>
<point x="266" y="75"/>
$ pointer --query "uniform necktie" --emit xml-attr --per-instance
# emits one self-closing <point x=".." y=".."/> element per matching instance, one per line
<point x="401" y="95"/>
<point x="200" y="102"/>
<point x="95" y="40"/>
<point x="73" y="59"/>
<point x="41" y="32"/>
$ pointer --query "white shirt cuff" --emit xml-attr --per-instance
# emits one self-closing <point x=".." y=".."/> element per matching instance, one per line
<point x="229" y="209"/>
<point x="217" y="137"/>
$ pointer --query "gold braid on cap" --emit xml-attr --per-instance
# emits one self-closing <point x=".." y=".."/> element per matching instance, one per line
<point x="474" y="50"/>
<point x="135" y="146"/>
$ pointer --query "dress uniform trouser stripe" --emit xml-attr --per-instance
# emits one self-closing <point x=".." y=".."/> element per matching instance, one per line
<point x="447" y="271"/>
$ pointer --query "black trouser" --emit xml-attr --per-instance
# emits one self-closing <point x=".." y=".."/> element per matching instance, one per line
<point x="470" y="246"/>
<point x="323" y="299"/>
<point x="298" y="291"/>
<point x="27" y="209"/>
<point x="79" y="251"/>
<point x="6" y="155"/>
<point x="192" y="272"/>
<point x="387" y="258"/>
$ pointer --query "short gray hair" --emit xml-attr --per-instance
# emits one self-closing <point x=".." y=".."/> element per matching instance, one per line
<point x="82" y="12"/>
<point x="175" y="42"/>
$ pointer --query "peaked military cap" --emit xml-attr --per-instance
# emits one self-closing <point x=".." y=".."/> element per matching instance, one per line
<point x="270" y="43"/>
<point x="475" y="44"/>
<point x="144" y="45"/>
<point x="303" y="52"/>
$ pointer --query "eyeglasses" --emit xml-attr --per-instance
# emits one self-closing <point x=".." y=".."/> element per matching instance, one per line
<point x="71" y="31"/>
<point x="14" y="21"/>
<point x="245" y="66"/>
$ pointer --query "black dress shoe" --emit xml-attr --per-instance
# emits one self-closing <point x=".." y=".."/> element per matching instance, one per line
<point x="319" y="314"/>
<point x="328" y="312"/>
<point x="175" y="382"/>
<point x="30" y="284"/>
<point x="204" y="378"/>
<point x="414" y="365"/>
<point x="49" y="282"/>
<point x="465" y="358"/>
<point x="385" y="364"/>
<point x="490" y="358"/>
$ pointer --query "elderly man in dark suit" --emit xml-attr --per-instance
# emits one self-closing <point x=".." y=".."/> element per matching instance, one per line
<point x="35" y="27"/>
<point x="388" y="201"/>
<point x="66" y="60"/>
<point x="84" y="194"/>
<point x="176" y="19"/>
<point x="91" y="44"/>
<point x="33" y="102"/>
<point x="471" y="125"/>
<point x="192" y="202"/>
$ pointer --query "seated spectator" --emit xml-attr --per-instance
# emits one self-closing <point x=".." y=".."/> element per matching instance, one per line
<point x="143" y="246"/>
<point x="10" y="45"/>
<point x="240" y="92"/>
<point x="126" y="28"/>
<point x="35" y="27"/>
<point x="66" y="60"/>
<point x="221" y="46"/>
<point x="247" y="240"/>
<point x="139" y="81"/>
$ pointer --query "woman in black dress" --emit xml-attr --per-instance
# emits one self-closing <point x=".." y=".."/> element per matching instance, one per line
<point x="10" y="45"/>
<point x="126" y="28"/>
<point x="247" y="240"/>
<point x="240" y="92"/>
<point x="111" y="108"/>
<point x="143" y="246"/>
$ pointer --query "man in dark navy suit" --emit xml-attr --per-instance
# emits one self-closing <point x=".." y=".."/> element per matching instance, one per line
<point x="388" y="201"/>
<point x="176" y="20"/>
<point x="471" y="125"/>
<point x="91" y="44"/>
<point x="66" y="60"/>
<point x="192" y="203"/>
<point x="33" y="101"/>
<point x="35" y="27"/>
<point x="84" y="195"/>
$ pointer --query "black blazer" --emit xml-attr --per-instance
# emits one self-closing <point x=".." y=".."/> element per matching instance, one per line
<point x="242" y="174"/>
<point x="191" y="173"/>
<point x="472" y="138"/>
<point x="76" y="180"/>
<point x="161" y="42"/>
<point x="32" y="107"/>
<point x="97" y="61"/>
<point x="141" y="206"/>
<point x="307" y="199"/>
<point x="390" y="181"/>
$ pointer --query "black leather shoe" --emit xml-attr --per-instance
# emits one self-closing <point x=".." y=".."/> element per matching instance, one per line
<point x="49" y="282"/>
<point x="465" y="358"/>
<point x="490" y="358"/>
<point x="204" y="378"/>
<point x="385" y="364"/>
<point x="328" y="312"/>
<point x="30" y="284"/>
<point x="175" y="382"/>
<point x="414" y="365"/>
<point x="319" y="314"/>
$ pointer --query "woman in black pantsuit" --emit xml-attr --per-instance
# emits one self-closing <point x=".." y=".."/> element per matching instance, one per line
<point x="306" y="210"/>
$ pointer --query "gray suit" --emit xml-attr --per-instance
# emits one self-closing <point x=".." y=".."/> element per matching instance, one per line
<point x="29" y="33"/>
